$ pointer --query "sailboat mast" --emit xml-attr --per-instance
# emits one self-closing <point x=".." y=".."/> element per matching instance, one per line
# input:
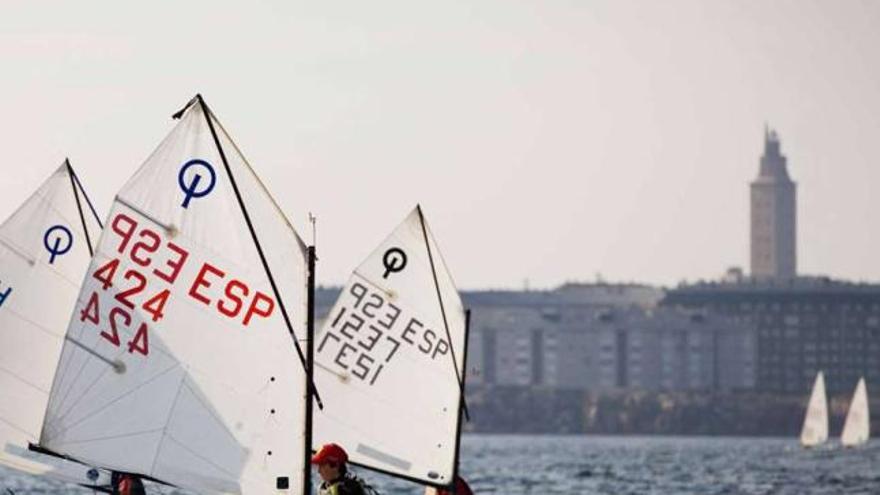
<point x="467" y="331"/>
<point x="310" y="370"/>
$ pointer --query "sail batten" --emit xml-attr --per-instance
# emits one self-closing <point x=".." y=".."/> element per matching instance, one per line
<point x="210" y="394"/>
<point x="857" y="427"/>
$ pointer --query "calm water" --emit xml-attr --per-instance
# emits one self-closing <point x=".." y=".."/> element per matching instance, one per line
<point x="628" y="465"/>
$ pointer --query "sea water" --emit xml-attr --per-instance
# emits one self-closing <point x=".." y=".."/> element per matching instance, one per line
<point x="620" y="465"/>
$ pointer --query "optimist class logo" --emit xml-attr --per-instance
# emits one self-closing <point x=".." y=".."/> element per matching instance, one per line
<point x="394" y="261"/>
<point x="191" y="189"/>
<point x="58" y="240"/>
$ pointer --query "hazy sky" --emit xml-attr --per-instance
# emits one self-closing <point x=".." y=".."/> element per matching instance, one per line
<point x="546" y="140"/>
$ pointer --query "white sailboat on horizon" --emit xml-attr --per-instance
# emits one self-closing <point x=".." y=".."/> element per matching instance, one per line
<point x="815" y="429"/>
<point x="857" y="428"/>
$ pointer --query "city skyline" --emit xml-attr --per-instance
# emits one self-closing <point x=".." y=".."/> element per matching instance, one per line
<point x="547" y="143"/>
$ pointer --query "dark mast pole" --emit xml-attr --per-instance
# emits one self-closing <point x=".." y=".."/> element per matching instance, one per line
<point x="310" y="370"/>
<point x="461" y="409"/>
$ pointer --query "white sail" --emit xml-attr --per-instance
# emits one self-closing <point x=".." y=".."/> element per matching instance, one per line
<point x="385" y="366"/>
<point x="44" y="253"/>
<point x="857" y="428"/>
<point x="179" y="364"/>
<point x="815" y="429"/>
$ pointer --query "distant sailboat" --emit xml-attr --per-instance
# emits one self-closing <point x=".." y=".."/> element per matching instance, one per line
<point x="45" y="249"/>
<point x="390" y="361"/>
<point x="181" y="360"/>
<point x="815" y="429"/>
<point x="857" y="428"/>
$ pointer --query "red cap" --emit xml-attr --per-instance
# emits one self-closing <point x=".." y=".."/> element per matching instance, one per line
<point x="330" y="453"/>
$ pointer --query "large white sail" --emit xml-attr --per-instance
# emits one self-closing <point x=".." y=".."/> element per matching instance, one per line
<point x="45" y="249"/>
<point x="857" y="428"/>
<point x="815" y="429"/>
<point x="179" y="363"/>
<point x="386" y="369"/>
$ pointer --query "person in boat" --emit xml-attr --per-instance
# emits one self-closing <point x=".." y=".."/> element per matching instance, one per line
<point x="127" y="484"/>
<point x="460" y="488"/>
<point x="332" y="462"/>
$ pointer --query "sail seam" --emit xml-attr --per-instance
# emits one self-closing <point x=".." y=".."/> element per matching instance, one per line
<point x="15" y="250"/>
<point x="126" y="333"/>
<point x="144" y="214"/>
<point x="196" y="454"/>
<point x="16" y="427"/>
<point x="23" y="380"/>
<point x="111" y="437"/>
<point x="43" y="329"/>
<point x="167" y="422"/>
<point x="76" y="402"/>
<point x="89" y="415"/>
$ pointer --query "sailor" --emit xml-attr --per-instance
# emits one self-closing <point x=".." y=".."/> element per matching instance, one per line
<point x="127" y="484"/>
<point x="332" y="466"/>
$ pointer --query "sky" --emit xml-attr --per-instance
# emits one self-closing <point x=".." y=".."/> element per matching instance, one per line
<point x="547" y="141"/>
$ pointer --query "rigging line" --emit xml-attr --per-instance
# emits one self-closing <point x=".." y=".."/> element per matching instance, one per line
<point x="82" y="217"/>
<point x="86" y="195"/>
<point x="259" y="182"/>
<point x="256" y="240"/>
<point x="443" y="312"/>
<point x="118" y="366"/>
<point x="101" y="408"/>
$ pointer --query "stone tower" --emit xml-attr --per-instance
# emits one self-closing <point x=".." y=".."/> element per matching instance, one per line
<point x="773" y="203"/>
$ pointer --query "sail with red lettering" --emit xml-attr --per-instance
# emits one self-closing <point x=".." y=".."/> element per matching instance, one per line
<point x="180" y="362"/>
<point x="45" y="249"/>
<point x="389" y="361"/>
